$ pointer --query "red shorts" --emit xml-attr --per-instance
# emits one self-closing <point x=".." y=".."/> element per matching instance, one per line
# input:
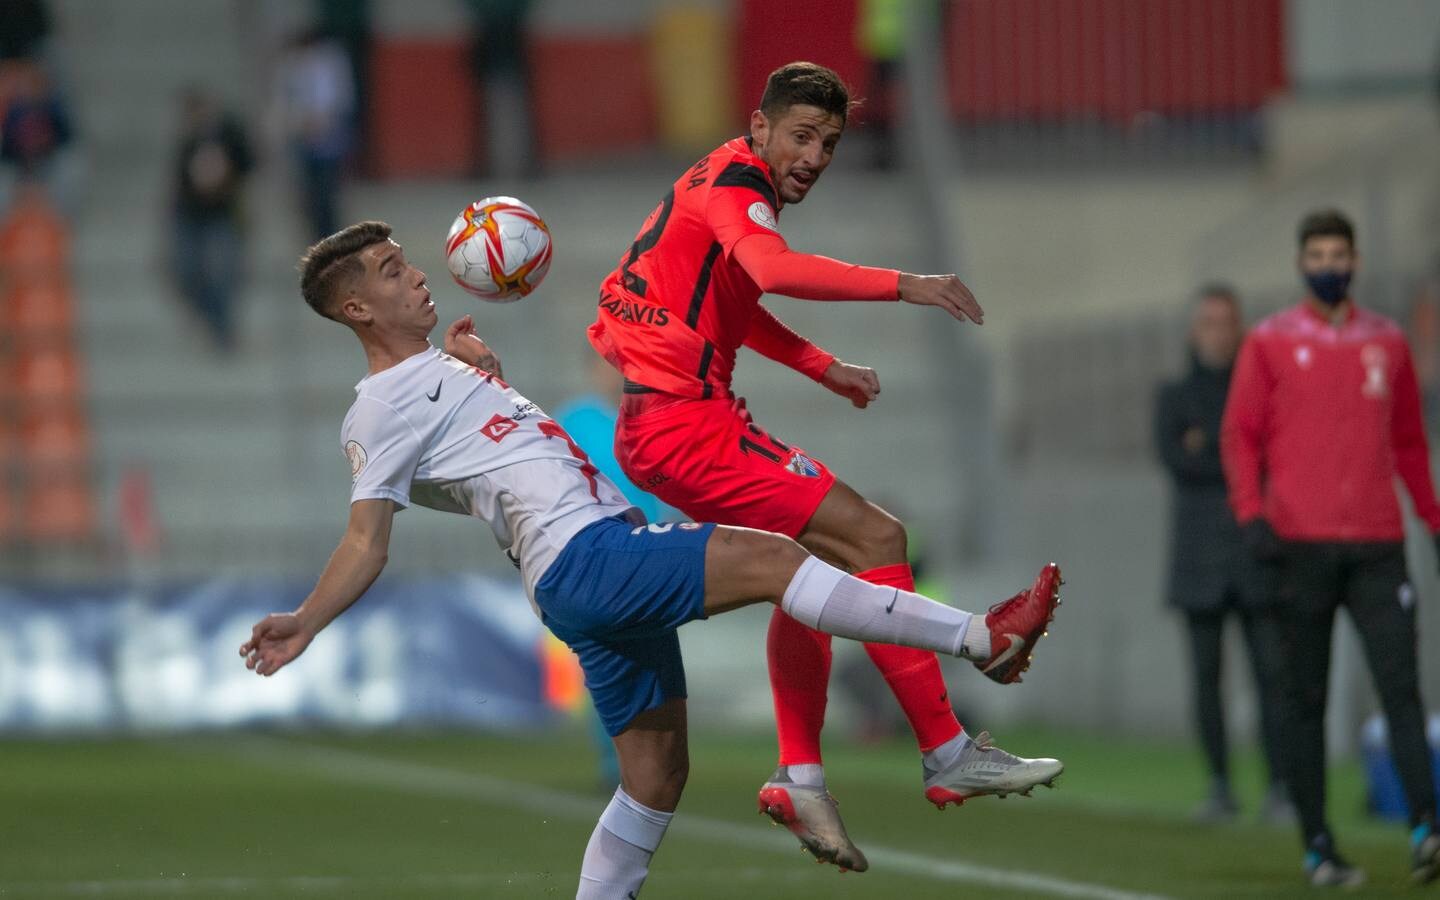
<point x="708" y="459"/>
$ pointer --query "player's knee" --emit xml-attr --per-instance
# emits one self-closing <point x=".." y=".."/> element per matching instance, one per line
<point x="664" y="782"/>
<point x="885" y="536"/>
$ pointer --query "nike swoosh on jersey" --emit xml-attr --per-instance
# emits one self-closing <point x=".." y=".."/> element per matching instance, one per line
<point x="1017" y="643"/>
<point x="892" y="600"/>
<point x="435" y="396"/>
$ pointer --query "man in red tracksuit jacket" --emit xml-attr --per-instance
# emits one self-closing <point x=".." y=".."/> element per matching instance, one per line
<point x="1323" y="413"/>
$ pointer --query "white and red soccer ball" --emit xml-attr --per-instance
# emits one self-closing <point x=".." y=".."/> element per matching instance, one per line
<point x="498" y="249"/>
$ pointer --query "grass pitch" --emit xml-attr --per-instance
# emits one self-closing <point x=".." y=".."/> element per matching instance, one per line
<point x="449" y="815"/>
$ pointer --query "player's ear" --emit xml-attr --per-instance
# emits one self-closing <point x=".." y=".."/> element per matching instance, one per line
<point x="353" y="310"/>
<point x="759" y="127"/>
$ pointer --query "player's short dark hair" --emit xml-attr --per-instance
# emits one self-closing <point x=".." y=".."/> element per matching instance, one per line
<point x="331" y="264"/>
<point x="805" y="83"/>
<point x="1327" y="223"/>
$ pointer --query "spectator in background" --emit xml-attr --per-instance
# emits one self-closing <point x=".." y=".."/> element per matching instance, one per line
<point x="502" y="73"/>
<point x="25" y="27"/>
<point x="1323" y="414"/>
<point x="1208" y="584"/>
<point x="880" y="34"/>
<point x="36" y="138"/>
<point x="212" y="161"/>
<point x="318" y="99"/>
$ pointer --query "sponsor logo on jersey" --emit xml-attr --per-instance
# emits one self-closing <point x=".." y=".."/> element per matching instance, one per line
<point x="762" y="215"/>
<point x="524" y="409"/>
<point x="801" y="464"/>
<point x="356" y="454"/>
<point x="1303" y="356"/>
<point x="631" y="311"/>
<point x="498" y="427"/>
<point x="690" y="526"/>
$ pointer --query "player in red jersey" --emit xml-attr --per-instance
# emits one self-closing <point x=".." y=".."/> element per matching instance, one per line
<point x="683" y="300"/>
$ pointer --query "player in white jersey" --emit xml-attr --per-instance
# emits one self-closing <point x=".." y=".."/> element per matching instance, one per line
<point x="429" y="429"/>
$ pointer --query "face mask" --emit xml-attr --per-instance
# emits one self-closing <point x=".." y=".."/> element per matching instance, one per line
<point x="1330" y="286"/>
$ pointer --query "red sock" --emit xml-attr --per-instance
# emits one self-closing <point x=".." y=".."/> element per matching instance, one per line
<point x="799" y="660"/>
<point x="914" y="675"/>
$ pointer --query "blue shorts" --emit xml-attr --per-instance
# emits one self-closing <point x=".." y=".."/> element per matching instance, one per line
<point x="615" y="595"/>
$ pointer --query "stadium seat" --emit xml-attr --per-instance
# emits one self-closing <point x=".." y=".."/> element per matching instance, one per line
<point x="53" y="438"/>
<point x="37" y="309"/>
<point x="47" y="374"/>
<point x="33" y="238"/>
<point x="59" y="508"/>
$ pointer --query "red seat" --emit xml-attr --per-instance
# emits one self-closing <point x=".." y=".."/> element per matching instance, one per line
<point x="46" y="375"/>
<point x="59" y="508"/>
<point x="54" y="438"/>
<point x="33" y="238"/>
<point x="35" y="310"/>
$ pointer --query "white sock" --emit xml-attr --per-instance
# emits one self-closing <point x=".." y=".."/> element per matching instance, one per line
<point x="808" y="774"/>
<point x="827" y="599"/>
<point x="617" y="859"/>
<point x="976" y="643"/>
<point x="945" y="755"/>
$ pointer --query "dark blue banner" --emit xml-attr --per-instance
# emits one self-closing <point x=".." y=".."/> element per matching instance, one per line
<point x="458" y="650"/>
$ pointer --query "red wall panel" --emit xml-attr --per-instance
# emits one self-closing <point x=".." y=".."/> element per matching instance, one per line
<point x="1112" y="59"/>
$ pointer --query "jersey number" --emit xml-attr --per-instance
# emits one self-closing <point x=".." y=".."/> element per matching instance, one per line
<point x="551" y="428"/>
<point x="647" y="239"/>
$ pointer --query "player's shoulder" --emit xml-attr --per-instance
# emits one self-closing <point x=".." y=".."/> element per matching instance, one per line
<point x="733" y="164"/>
<point x="1373" y="325"/>
<point x="1290" y="322"/>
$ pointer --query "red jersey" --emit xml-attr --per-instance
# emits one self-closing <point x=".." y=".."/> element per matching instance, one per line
<point x="679" y="305"/>
<point x="1319" y="421"/>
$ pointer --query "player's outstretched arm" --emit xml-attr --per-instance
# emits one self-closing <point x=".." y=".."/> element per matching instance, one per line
<point x="356" y="563"/>
<point x="464" y="344"/>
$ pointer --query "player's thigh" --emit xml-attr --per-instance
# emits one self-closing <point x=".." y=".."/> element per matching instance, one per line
<point x="629" y="679"/>
<point x="1381" y="602"/>
<point x="713" y="463"/>
<point x="847" y="527"/>
<point x="618" y="581"/>
<point x="745" y="565"/>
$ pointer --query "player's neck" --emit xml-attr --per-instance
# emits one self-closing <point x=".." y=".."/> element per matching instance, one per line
<point x="386" y="351"/>
<point x="1335" y="315"/>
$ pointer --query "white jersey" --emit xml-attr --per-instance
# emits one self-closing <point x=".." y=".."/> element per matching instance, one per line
<point x="453" y="438"/>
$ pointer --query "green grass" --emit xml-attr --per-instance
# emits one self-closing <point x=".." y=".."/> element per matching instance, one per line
<point x="446" y="815"/>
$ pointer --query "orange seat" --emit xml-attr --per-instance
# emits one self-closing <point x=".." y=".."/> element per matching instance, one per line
<point x="59" y="509"/>
<point x="7" y="514"/>
<point x="54" y="438"/>
<point x="38" y="309"/>
<point x="47" y="375"/>
<point x="33" y="238"/>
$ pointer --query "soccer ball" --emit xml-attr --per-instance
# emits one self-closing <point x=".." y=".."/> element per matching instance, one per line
<point x="498" y="249"/>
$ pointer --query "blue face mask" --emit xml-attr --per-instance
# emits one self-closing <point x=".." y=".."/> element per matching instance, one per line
<point x="1330" y="286"/>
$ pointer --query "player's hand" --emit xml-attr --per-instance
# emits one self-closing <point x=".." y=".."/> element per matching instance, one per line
<point x="274" y="641"/>
<point x="945" y="291"/>
<point x="464" y="344"/>
<point x="857" y="384"/>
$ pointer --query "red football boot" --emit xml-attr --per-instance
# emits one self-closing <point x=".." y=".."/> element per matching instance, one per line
<point x="1016" y="624"/>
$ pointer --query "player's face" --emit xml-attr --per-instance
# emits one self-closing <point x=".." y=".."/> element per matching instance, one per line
<point x="393" y="292"/>
<point x="1327" y="252"/>
<point x="797" y="145"/>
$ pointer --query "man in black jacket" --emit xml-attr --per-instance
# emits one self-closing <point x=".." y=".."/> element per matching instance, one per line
<point x="1210" y="576"/>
